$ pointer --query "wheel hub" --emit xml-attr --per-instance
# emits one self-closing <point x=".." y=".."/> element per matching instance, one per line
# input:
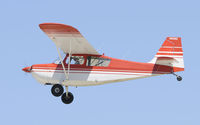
<point x="57" y="90"/>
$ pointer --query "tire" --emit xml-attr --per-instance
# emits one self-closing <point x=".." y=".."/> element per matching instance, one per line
<point x="69" y="99"/>
<point x="57" y="90"/>
<point x="179" y="78"/>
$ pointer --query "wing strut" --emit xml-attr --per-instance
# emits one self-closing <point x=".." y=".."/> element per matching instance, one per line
<point x="66" y="74"/>
<point x="67" y="77"/>
<point x="69" y="58"/>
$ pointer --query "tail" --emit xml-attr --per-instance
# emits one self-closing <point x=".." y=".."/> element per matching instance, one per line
<point x="170" y="54"/>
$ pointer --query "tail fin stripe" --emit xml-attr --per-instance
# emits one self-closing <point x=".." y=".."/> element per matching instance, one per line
<point x="176" y="54"/>
<point x="171" y="49"/>
<point x="168" y="52"/>
<point x="169" y="56"/>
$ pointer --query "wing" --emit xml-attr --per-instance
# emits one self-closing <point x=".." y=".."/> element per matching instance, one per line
<point x="68" y="38"/>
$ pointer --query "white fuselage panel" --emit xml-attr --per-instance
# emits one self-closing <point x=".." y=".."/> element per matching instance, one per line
<point x="84" y="78"/>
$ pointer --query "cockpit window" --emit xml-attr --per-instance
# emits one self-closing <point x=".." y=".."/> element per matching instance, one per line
<point x="79" y="60"/>
<point x="97" y="61"/>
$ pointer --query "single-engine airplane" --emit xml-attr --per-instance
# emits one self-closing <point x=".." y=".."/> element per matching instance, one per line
<point x="84" y="66"/>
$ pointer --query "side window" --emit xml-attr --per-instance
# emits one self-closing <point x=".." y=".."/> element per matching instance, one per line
<point x="96" y="61"/>
<point x="78" y="60"/>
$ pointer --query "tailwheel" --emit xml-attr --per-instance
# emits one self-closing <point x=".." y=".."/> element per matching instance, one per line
<point x="67" y="99"/>
<point x="179" y="78"/>
<point x="57" y="90"/>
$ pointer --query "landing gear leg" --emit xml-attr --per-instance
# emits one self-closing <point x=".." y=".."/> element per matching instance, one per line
<point x="67" y="97"/>
<point x="66" y="89"/>
<point x="179" y="78"/>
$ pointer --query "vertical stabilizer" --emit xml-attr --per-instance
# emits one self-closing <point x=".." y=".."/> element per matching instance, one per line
<point x="170" y="54"/>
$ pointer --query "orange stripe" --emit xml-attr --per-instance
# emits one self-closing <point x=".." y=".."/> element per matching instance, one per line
<point x="174" y="54"/>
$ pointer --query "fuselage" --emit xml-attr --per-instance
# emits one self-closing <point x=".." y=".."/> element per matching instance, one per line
<point x="95" y="70"/>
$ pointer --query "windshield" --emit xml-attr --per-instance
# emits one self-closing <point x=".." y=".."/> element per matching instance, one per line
<point x="57" y="61"/>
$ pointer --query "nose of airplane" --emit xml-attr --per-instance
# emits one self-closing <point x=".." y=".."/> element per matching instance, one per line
<point x="27" y="69"/>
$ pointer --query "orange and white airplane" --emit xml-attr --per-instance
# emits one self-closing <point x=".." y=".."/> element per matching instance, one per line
<point x="84" y="66"/>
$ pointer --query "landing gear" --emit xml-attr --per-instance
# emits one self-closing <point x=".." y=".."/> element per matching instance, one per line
<point x="179" y="78"/>
<point x="67" y="99"/>
<point x="57" y="90"/>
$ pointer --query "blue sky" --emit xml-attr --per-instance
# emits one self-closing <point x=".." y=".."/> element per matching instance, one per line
<point x="131" y="30"/>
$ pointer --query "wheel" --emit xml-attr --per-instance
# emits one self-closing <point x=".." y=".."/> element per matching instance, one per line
<point x="57" y="90"/>
<point x="67" y="99"/>
<point x="179" y="78"/>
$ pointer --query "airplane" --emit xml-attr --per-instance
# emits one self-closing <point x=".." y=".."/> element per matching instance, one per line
<point x="84" y="66"/>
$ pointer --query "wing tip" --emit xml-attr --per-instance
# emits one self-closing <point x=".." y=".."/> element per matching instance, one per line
<point x="43" y="24"/>
<point x="57" y="26"/>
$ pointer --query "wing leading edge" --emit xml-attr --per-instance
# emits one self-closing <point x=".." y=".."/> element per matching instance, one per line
<point x="68" y="38"/>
